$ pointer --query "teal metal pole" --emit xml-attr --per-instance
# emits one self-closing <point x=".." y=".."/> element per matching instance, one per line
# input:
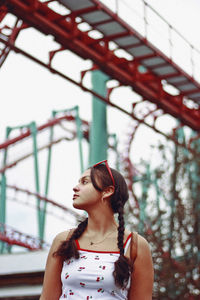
<point x="33" y="129"/>
<point x="98" y="131"/>
<point x="48" y="163"/>
<point x="3" y="184"/>
<point x="78" y="128"/>
<point x="80" y="137"/>
<point x="3" y="199"/>
<point x="3" y="192"/>
<point x="43" y="212"/>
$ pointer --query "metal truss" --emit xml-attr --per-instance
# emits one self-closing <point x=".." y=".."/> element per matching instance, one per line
<point x="148" y="83"/>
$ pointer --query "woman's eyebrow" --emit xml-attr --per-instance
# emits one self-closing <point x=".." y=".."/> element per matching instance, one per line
<point x="84" y="177"/>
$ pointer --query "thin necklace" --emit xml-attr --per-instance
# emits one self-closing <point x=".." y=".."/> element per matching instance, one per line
<point x="94" y="243"/>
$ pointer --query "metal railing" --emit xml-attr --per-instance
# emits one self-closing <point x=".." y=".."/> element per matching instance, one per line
<point x="143" y="18"/>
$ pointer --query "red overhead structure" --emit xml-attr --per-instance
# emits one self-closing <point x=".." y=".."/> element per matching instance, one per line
<point x="14" y="237"/>
<point x="156" y="65"/>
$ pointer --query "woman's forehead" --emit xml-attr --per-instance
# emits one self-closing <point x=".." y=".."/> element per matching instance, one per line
<point x="86" y="173"/>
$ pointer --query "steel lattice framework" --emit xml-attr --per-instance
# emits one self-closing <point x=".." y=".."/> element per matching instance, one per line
<point x="14" y="237"/>
<point x="156" y="66"/>
<point x="145" y="71"/>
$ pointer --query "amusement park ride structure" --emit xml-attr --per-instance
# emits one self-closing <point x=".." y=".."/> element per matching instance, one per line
<point x="144" y="68"/>
<point x="144" y="72"/>
<point x="97" y="33"/>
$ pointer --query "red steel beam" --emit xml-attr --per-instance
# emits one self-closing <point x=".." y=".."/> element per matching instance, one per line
<point x="11" y="37"/>
<point x="14" y="237"/>
<point x="45" y="199"/>
<point x="66" y="32"/>
<point x="26" y="134"/>
<point x="55" y="121"/>
<point x="3" y="13"/>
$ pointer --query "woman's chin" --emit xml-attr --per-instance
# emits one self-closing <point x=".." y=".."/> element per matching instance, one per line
<point x="77" y="205"/>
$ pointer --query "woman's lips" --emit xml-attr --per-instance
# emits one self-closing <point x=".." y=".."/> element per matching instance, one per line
<point x="75" y="196"/>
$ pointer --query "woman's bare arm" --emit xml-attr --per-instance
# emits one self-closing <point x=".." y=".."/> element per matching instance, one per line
<point x="52" y="286"/>
<point x="143" y="275"/>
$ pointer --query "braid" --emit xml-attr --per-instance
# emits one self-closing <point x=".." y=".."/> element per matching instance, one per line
<point x="68" y="249"/>
<point x="121" y="230"/>
<point x="122" y="265"/>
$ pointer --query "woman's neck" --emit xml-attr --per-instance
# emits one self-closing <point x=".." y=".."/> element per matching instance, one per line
<point x="101" y="224"/>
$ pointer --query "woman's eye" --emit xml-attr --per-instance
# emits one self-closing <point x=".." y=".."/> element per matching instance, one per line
<point x="84" y="181"/>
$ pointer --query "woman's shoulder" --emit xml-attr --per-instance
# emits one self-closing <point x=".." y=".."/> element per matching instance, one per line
<point x="61" y="237"/>
<point x="140" y="245"/>
<point x="143" y="245"/>
<point x="139" y="239"/>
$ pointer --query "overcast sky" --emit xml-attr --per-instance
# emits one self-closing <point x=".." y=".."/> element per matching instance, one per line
<point x="30" y="93"/>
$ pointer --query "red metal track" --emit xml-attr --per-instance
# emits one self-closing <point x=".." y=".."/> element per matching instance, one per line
<point x="26" y="134"/>
<point x="68" y="35"/>
<point x="14" y="32"/>
<point x="45" y="199"/>
<point x="55" y="121"/>
<point x="14" y="237"/>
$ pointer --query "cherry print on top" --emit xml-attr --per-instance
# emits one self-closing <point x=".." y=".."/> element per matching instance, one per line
<point x="91" y="276"/>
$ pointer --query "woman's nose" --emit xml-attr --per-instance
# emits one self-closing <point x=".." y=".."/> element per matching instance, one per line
<point x="76" y="188"/>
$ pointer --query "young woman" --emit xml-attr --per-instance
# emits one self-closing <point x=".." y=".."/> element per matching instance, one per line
<point x="99" y="259"/>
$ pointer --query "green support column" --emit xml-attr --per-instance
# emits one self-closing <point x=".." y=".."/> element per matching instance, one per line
<point x="79" y="130"/>
<point x="80" y="137"/>
<point x="33" y="129"/>
<point x="3" y="192"/>
<point x="47" y="179"/>
<point x="98" y="132"/>
<point x="3" y="184"/>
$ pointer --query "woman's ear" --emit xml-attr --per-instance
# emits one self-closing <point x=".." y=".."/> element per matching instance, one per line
<point x="108" y="192"/>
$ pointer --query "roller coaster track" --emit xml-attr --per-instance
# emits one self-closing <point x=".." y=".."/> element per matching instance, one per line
<point x="128" y="167"/>
<point x="14" y="163"/>
<point x="45" y="199"/>
<point x="14" y="237"/>
<point x="11" y="36"/>
<point x="65" y="30"/>
<point x="51" y="123"/>
<point x="10" y="235"/>
<point x="106" y="100"/>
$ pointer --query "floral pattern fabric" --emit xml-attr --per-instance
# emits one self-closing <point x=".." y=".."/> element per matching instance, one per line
<point x="91" y="276"/>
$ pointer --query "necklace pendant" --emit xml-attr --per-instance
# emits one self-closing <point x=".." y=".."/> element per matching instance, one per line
<point x="91" y="243"/>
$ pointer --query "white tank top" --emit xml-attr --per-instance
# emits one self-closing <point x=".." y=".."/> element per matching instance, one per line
<point x="91" y="276"/>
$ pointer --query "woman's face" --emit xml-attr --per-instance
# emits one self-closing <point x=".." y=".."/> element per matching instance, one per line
<point x="85" y="195"/>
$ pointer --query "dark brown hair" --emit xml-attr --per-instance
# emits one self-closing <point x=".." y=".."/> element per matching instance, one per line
<point x="101" y="179"/>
